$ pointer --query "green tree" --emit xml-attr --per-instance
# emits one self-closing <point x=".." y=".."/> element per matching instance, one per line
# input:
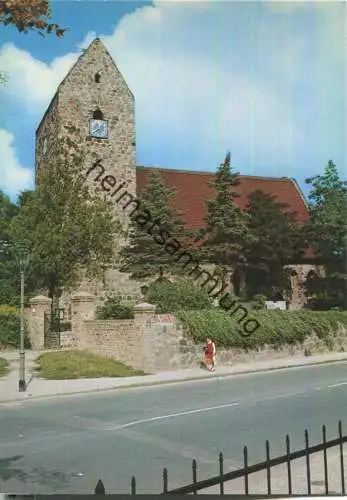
<point x="276" y="242"/>
<point x="226" y="231"/>
<point x="9" y="282"/>
<point x="327" y="231"/>
<point x="145" y="255"/>
<point x="328" y="222"/>
<point x="68" y="230"/>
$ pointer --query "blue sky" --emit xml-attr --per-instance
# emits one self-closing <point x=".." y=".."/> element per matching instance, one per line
<point x="265" y="80"/>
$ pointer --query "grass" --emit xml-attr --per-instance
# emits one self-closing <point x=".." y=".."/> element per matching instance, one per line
<point x="63" y="365"/>
<point x="4" y="367"/>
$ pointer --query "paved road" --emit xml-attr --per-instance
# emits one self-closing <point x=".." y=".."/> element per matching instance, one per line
<point x="64" y="446"/>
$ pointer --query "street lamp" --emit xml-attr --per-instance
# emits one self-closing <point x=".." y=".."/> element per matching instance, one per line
<point x="23" y="257"/>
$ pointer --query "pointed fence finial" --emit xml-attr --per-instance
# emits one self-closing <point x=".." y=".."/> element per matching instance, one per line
<point x="100" y="488"/>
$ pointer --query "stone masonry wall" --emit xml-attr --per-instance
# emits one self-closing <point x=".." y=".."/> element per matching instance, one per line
<point x="80" y="96"/>
<point x="170" y="349"/>
<point x="119" y="339"/>
<point x="47" y="136"/>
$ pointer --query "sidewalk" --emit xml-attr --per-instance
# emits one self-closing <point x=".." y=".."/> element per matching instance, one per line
<point x="41" y="389"/>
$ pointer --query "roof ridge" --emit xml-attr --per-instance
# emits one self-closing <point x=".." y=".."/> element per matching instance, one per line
<point x="203" y="172"/>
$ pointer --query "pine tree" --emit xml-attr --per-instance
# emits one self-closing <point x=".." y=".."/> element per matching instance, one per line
<point x="146" y="254"/>
<point x="328" y="223"/>
<point x="276" y="242"/>
<point x="226" y="229"/>
<point x="327" y="231"/>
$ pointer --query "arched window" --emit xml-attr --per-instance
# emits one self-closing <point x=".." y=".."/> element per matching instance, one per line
<point x="97" y="115"/>
<point x="97" y="77"/>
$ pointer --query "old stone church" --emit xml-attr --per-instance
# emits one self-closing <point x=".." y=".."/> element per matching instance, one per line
<point x="95" y="98"/>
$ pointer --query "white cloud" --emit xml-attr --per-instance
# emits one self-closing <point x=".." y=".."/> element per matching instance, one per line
<point x="13" y="176"/>
<point x="285" y="6"/>
<point x="208" y="73"/>
<point x="30" y="79"/>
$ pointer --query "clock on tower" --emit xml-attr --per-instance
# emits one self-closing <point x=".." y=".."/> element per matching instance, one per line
<point x="98" y="128"/>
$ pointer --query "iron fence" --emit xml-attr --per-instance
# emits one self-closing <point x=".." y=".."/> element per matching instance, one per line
<point x="266" y="465"/>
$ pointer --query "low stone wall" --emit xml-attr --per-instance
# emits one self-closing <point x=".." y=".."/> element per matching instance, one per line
<point x="118" y="339"/>
<point x="67" y="340"/>
<point x="162" y="345"/>
<point x="152" y="342"/>
<point x="189" y="355"/>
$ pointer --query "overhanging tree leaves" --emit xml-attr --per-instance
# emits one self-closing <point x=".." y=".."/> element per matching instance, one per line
<point x="146" y="256"/>
<point x="66" y="227"/>
<point x="3" y="78"/>
<point x="226" y="231"/>
<point x="276" y="242"/>
<point x="29" y="15"/>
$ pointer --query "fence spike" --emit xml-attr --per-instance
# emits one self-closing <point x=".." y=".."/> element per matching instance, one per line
<point x="341" y="459"/>
<point x="165" y="480"/>
<point x="194" y="468"/>
<point x="289" y="464"/>
<point x="245" y="462"/>
<point x="268" y="467"/>
<point x="133" y="485"/>
<point x="325" y="460"/>
<point x="99" y="488"/>
<point x="308" y="470"/>
<point x="221" y="472"/>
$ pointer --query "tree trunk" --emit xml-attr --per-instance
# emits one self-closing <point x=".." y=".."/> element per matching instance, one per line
<point x="243" y="284"/>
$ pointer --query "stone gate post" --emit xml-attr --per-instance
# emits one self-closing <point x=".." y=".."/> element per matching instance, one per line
<point x="35" y="318"/>
<point x="144" y="312"/>
<point x="82" y="308"/>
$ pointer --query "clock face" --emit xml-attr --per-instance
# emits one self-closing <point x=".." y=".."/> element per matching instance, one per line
<point x="98" y="129"/>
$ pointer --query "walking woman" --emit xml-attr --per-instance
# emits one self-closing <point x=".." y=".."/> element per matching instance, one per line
<point x="210" y="354"/>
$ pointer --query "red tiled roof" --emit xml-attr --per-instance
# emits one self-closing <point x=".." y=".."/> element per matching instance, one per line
<point x="192" y="191"/>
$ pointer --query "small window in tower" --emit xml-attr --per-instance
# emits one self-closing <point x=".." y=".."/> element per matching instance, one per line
<point x="97" y="77"/>
<point x="97" y="115"/>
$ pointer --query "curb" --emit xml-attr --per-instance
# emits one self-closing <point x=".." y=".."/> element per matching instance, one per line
<point x="170" y="382"/>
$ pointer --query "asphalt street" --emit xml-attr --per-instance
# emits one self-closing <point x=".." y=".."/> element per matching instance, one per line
<point x="66" y="445"/>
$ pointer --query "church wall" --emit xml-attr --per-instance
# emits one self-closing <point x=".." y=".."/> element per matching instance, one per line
<point x="47" y="132"/>
<point x="80" y="96"/>
<point x="298" y="279"/>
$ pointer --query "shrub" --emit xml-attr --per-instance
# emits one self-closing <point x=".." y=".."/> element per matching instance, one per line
<point x="172" y="297"/>
<point x="10" y="328"/>
<point x="113" y="308"/>
<point x="277" y="328"/>
<point x="258" y="302"/>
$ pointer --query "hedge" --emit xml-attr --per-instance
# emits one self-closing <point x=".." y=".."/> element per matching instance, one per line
<point x="10" y="328"/>
<point x="114" y="308"/>
<point x="277" y="328"/>
<point x="172" y="297"/>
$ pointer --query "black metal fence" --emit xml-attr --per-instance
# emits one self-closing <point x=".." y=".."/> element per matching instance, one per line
<point x="53" y="326"/>
<point x="266" y="465"/>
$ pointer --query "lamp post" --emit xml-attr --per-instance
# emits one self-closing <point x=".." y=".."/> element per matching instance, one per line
<point x="23" y="257"/>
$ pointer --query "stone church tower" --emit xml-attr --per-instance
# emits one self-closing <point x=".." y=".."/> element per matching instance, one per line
<point x="94" y="98"/>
